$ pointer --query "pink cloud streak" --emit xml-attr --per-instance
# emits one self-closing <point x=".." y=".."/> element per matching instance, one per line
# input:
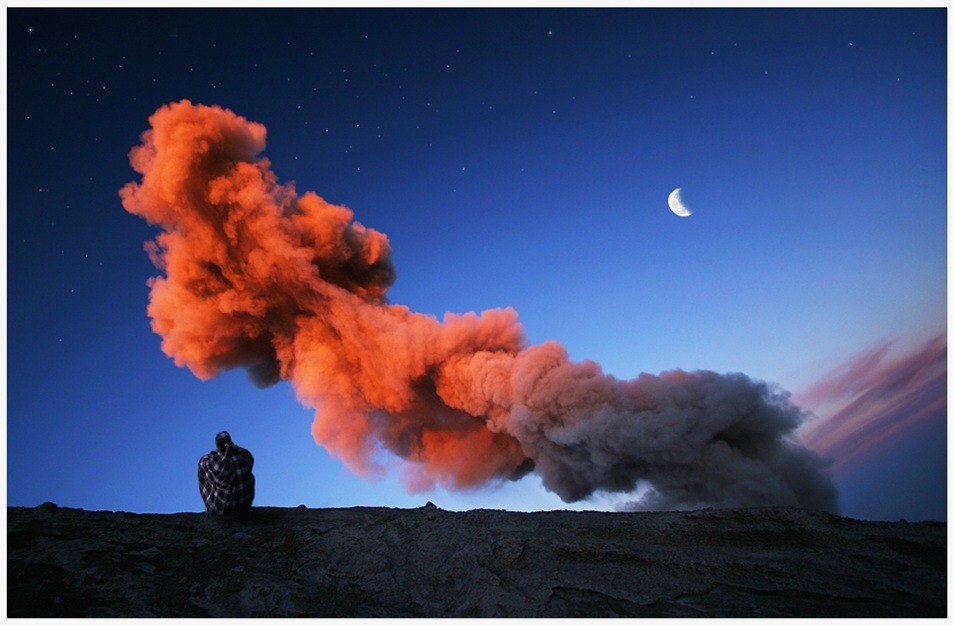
<point x="869" y="399"/>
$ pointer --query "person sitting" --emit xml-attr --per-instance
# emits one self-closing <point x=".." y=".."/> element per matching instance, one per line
<point x="226" y="481"/>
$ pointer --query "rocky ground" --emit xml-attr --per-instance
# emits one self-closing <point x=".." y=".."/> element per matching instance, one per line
<point x="426" y="562"/>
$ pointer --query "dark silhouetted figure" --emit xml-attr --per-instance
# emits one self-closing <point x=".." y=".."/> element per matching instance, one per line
<point x="225" y="478"/>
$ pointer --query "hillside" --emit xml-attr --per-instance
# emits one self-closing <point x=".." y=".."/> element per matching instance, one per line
<point x="428" y="562"/>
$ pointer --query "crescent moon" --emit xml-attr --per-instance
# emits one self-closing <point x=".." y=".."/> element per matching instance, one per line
<point x="675" y="203"/>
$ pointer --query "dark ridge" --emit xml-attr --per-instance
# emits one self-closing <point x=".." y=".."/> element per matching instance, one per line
<point x="427" y="562"/>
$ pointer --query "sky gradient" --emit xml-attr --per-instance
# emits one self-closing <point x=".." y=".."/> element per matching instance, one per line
<point x="513" y="158"/>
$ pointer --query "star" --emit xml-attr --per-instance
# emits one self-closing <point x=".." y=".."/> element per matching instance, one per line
<point x="30" y="29"/>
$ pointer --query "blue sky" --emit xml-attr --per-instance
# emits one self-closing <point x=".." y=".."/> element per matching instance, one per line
<point x="514" y="158"/>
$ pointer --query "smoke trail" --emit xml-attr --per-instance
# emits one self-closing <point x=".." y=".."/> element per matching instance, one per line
<point x="290" y="287"/>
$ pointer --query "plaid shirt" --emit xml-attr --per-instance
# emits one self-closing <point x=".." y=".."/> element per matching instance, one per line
<point x="226" y="481"/>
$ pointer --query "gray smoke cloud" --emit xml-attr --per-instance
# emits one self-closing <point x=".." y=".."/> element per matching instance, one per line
<point x="696" y="438"/>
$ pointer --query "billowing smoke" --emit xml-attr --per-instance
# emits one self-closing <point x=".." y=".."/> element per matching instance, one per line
<point x="290" y="287"/>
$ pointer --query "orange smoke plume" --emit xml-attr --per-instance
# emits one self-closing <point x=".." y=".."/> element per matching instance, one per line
<point x="291" y="288"/>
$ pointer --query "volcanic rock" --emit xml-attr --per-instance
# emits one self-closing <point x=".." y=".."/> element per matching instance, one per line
<point x="427" y="562"/>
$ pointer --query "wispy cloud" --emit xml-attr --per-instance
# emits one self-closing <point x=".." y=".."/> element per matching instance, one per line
<point x="872" y="398"/>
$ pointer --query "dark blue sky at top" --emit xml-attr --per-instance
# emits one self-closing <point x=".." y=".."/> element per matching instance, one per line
<point x="514" y="158"/>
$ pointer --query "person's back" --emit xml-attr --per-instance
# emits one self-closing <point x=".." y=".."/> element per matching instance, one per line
<point x="226" y="481"/>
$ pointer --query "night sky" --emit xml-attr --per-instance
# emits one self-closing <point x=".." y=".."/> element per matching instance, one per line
<point x="514" y="158"/>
